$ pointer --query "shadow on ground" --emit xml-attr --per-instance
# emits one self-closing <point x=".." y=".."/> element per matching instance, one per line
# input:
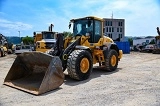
<point x="97" y="72"/>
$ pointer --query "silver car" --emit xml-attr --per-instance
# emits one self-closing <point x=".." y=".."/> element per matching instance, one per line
<point x="22" y="48"/>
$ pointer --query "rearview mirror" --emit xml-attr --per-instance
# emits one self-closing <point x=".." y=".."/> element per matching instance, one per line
<point x="34" y="33"/>
<point x="69" y="25"/>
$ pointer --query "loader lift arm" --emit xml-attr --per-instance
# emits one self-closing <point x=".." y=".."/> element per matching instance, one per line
<point x="67" y="52"/>
<point x="70" y="48"/>
<point x="62" y="52"/>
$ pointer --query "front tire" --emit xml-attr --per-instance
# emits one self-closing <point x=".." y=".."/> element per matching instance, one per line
<point x="79" y="64"/>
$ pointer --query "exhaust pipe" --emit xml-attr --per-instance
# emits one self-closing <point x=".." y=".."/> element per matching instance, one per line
<point x="50" y="27"/>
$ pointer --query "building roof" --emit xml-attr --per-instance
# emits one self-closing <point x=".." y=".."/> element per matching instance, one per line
<point x="112" y="19"/>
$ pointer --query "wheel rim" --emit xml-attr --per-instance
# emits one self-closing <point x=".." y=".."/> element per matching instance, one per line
<point x="113" y="60"/>
<point x="84" y="65"/>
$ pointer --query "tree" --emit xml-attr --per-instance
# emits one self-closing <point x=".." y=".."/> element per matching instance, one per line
<point x="27" y="40"/>
<point x="152" y="41"/>
<point x="67" y="34"/>
<point x="130" y="40"/>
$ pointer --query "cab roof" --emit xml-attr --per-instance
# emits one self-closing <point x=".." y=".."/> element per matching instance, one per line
<point x="88" y="17"/>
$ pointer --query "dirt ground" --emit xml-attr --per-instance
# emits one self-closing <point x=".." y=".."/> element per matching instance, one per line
<point x="136" y="82"/>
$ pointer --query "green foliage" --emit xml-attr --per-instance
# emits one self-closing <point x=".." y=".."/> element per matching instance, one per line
<point x="67" y="34"/>
<point x="28" y="40"/>
<point x="152" y="41"/>
<point x="130" y="40"/>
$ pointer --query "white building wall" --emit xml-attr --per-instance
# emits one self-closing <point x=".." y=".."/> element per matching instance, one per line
<point x="140" y="41"/>
<point x="114" y="28"/>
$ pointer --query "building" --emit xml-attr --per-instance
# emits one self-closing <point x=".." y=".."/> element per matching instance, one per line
<point x="114" y="28"/>
<point x="143" y="41"/>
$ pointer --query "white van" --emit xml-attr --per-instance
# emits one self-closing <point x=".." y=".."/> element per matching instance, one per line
<point x="22" y="48"/>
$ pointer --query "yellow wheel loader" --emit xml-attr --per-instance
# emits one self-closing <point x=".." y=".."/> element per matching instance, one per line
<point x="37" y="73"/>
<point x="156" y="49"/>
<point x="87" y="47"/>
<point x="44" y="40"/>
<point x="2" y="51"/>
<point x="3" y="46"/>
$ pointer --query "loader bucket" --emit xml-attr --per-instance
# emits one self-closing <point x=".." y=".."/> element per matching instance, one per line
<point x="35" y="72"/>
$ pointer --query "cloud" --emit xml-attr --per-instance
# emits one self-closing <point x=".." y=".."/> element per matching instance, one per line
<point x="120" y="4"/>
<point x="60" y="21"/>
<point x="14" y="25"/>
<point x="9" y="28"/>
<point x="140" y="16"/>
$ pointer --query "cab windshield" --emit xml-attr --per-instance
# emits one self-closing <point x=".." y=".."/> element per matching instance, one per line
<point x="48" y="35"/>
<point x="81" y="27"/>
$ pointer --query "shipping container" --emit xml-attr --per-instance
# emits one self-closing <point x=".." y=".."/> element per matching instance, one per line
<point x="124" y="46"/>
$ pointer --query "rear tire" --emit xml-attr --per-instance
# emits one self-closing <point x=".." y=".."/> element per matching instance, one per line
<point x="79" y="64"/>
<point x="111" y="61"/>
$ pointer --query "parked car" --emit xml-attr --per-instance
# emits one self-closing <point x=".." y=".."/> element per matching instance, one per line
<point x="22" y="48"/>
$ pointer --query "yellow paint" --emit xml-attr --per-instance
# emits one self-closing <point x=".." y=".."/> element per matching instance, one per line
<point x="41" y="50"/>
<point x="97" y="54"/>
<point x="84" y="65"/>
<point x="113" y="60"/>
<point x="120" y="54"/>
<point x="37" y="37"/>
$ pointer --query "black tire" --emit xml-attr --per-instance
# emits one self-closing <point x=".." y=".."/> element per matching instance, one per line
<point x="109" y="66"/>
<point x="2" y="52"/>
<point x="73" y="64"/>
<point x="5" y="53"/>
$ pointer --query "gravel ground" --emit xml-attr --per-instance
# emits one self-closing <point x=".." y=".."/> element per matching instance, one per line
<point x="136" y="82"/>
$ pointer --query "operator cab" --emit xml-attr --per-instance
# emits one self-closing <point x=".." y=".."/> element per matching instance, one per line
<point x="88" y="26"/>
<point x="48" y="35"/>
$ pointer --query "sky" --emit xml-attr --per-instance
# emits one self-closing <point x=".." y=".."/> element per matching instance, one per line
<point x="26" y="16"/>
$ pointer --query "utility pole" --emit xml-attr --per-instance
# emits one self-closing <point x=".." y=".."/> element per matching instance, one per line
<point x="112" y="15"/>
<point x="19" y="34"/>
